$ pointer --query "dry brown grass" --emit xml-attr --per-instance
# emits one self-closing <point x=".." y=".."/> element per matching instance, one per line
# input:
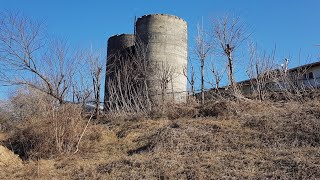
<point x="49" y="135"/>
<point x="243" y="140"/>
<point x="45" y="128"/>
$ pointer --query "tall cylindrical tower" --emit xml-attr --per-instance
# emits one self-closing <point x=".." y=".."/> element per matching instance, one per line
<point x="118" y="48"/>
<point x="165" y="37"/>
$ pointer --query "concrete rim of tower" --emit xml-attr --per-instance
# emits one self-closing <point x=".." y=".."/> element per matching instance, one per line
<point x="119" y="35"/>
<point x="168" y="15"/>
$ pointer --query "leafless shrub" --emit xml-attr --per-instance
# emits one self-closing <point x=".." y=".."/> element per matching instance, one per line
<point x="177" y="111"/>
<point x="50" y="130"/>
<point x="260" y="72"/>
<point x="7" y="116"/>
<point x="28" y="103"/>
<point x="217" y="108"/>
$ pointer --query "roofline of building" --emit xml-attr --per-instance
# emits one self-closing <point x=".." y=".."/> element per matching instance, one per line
<point x="310" y="65"/>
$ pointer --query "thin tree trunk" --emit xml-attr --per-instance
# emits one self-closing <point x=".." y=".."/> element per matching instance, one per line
<point x="231" y="78"/>
<point x="98" y="100"/>
<point x="202" y="81"/>
<point x="172" y="90"/>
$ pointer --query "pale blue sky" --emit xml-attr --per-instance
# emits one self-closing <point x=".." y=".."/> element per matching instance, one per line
<point x="291" y="25"/>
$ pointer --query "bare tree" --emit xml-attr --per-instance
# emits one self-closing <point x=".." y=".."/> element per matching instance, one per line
<point x="191" y="78"/>
<point x="261" y="71"/>
<point x="96" y="67"/>
<point x="29" y="58"/>
<point x="202" y="50"/>
<point x="229" y="33"/>
<point x="217" y="73"/>
<point x="81" y="89"/>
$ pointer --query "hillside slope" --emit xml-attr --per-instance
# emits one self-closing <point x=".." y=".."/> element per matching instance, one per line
<point x="227" y="140"/>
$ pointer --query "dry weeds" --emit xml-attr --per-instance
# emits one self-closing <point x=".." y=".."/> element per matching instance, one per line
<point x="243" y="140"/>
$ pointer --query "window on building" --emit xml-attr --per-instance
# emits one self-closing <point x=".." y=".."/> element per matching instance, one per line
<point x="310" y="75"/>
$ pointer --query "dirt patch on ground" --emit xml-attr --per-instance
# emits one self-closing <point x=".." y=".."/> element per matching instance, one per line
<point x="3" y="136"/>
<point x="8" y="158"/>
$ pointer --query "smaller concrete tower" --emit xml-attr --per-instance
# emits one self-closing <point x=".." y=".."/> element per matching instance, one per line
<point x="118" y="45"/>
<point x="119" y="42"/>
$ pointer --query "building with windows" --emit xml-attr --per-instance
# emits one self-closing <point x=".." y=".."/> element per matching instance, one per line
<point x="301" y="78"/>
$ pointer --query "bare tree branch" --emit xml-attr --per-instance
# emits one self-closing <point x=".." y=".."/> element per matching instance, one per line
<point x="26" y="57"/>
<point x="229" y="32"/>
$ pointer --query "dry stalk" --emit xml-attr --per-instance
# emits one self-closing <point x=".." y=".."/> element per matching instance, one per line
<point x="84" y="130"/>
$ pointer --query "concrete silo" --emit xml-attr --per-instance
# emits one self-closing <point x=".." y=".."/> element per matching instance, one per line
<point x="120" y="42"/>
<point x="165" y="37"/>
<point x="119" y="46"/>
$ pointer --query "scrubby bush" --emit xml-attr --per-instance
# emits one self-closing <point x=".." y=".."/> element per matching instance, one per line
<point x="5" y="120"/>
<point x="46" y="128"/>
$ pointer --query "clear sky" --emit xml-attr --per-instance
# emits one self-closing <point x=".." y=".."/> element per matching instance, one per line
<point x="291" y="25"/>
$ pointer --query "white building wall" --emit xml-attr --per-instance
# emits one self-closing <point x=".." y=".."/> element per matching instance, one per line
<point x="309" y="82"/>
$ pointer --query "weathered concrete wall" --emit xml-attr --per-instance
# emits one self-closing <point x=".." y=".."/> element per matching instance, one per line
<point x="119" y="45"/>
<point x="165" y="37"/>
<point x="120" y="42"/>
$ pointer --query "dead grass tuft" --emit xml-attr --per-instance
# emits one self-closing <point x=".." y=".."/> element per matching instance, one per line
<point x="291" y="125"/>
<point x="50" y="130"/>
